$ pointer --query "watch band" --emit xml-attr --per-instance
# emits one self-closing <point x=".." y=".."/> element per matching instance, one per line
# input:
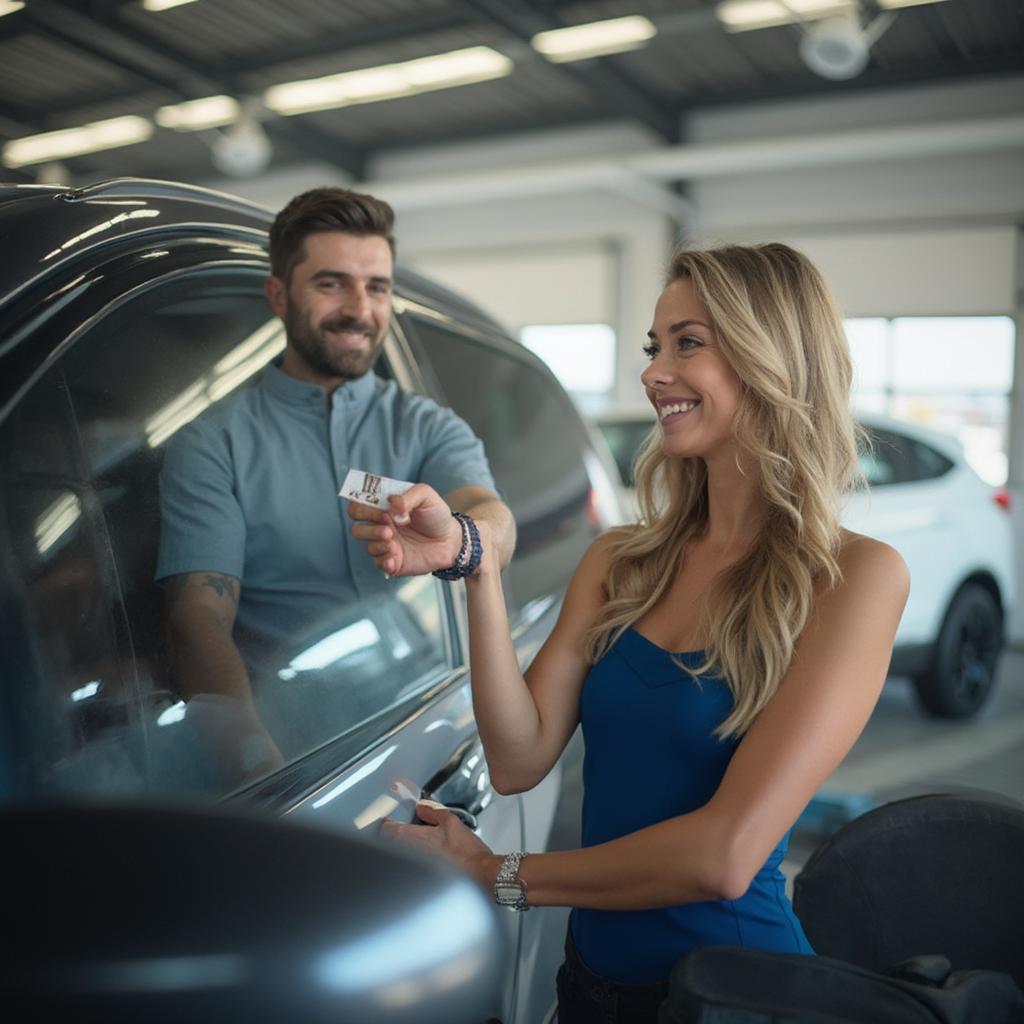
<point x="509" y="888"/>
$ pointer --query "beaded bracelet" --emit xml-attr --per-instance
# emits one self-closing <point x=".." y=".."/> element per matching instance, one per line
<point x="470" y="553"/>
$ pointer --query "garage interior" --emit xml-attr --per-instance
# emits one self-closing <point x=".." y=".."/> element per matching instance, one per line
<point x="550" y="183"/>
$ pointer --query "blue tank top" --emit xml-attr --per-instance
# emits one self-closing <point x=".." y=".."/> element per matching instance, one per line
<point x="650" y="754"/>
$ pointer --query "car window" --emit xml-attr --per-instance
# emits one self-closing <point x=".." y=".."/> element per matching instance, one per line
<point x="886" y="458"/>
<point x="625" y="438"/>
<point x="129" y="384"/>
<point x="929" y="464"/>
<point x="70" y="713"/>
<point x="535" y="445"/>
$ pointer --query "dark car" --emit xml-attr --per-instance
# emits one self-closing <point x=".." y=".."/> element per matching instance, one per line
<point x="128" y="308"/>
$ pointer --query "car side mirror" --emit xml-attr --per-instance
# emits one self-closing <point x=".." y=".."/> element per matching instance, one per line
<point x="137" y="913"/>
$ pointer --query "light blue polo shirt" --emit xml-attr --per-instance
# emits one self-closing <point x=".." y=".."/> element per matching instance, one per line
<point x="250" y="489"/>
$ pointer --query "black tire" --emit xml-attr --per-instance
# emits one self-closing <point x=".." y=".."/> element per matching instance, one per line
<point x="962" y="674"/>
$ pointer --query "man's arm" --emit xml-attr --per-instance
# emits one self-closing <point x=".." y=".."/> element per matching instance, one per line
<point x="456" y="467"/>
<point x="485" y="507"/>
<point x="201" y="609"/>
<point x="210" y="674"/>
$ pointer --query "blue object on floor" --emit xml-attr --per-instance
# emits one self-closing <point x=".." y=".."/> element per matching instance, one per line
<point x="830" y="811"/>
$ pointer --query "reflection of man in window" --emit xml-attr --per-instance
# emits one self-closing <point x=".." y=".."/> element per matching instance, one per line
<point x="255" y="547"/>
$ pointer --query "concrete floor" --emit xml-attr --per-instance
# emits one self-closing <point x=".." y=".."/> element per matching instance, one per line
<point x="901" y="753"/>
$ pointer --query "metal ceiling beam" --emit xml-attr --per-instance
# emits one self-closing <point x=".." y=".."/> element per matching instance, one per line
<point x="609" y="86"/>
<point x="300" y="134"/>
<point x="810" y="87"/>
<point x="13" y="124"/>
<point x="152" y="62"/>
<point x="326" y="43"/>
<point x="477" y="131"/>
<point x="736" y="157"/>
<point x="82" y="101"/>
<point x="146" y="64"/>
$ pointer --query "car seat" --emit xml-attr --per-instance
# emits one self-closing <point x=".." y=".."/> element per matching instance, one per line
<point x="940" y="873"/>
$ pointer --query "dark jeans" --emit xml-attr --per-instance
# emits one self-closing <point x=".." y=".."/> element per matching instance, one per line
<point x="588" y="998"/>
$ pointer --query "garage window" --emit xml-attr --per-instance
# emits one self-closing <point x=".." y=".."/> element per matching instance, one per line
<point x="581" y="356"/>
<point x="951" y="373"/>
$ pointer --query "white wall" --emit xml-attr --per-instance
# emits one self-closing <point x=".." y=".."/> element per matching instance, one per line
<point x="575" y="256"/>
<point x="958" y="187"/>
<point x="563" y="283"/>
<point x="911" y="236"/>
<point x="920" y="270"/>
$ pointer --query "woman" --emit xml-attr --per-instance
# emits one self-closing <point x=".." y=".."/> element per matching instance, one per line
<point x="722" y="655"/>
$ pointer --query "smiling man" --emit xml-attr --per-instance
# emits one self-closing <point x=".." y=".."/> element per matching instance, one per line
<point x="256" y="553"/>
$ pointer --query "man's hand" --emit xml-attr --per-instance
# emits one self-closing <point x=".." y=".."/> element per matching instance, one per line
<point x="415" y="535"/>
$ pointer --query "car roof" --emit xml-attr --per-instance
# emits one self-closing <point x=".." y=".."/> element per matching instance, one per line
<point x="54" y="227"/>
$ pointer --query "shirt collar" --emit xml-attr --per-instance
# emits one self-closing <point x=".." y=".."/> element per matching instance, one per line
<point x="353" y="393"/>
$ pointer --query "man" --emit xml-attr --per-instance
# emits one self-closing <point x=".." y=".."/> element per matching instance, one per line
<point x="255" y="545"/>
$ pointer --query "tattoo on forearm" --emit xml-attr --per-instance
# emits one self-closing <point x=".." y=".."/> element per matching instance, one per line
<point x="223" y="585"/>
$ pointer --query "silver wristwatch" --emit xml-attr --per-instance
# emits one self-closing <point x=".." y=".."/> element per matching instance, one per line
<point x="509" y="888"/>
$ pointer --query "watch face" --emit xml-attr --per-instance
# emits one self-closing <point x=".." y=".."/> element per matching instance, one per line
<point x="507" y="893"/>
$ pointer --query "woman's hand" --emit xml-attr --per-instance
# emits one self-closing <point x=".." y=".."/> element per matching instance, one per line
<point x="444" y="833"/>
<point x="416" y="534"/>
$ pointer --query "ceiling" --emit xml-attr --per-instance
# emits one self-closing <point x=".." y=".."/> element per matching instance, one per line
<point x="66" y="63"/>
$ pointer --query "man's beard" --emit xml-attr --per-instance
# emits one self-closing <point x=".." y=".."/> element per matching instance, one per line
<point x="313" y="344"/>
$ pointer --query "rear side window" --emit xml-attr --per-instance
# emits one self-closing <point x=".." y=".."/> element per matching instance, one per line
<point x="625" y="438"/>
<point x="928" y="463"/>
<point x="535" y="444"/>
<point x="886" y="459"/>
<point x="894" y="458"/>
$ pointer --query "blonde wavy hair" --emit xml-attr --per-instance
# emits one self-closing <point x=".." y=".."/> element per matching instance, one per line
<point x="776" y="323"/>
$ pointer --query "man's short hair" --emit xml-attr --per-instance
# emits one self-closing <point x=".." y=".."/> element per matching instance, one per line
<point x="326" y="209"/>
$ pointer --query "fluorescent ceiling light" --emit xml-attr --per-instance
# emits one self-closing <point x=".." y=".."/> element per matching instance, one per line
<point x="594" y="39"/>
<point x="86" y="138"/>
<point x="743" y="15"/>
<point x="10" y="6"/>
<point x="388" y="81"/>
<point x="164" y="5"/>
<point x="209" y="112"/>
<point x="894" y="4"/>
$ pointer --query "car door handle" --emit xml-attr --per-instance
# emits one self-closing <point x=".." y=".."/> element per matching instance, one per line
<point x="463" y="784"/>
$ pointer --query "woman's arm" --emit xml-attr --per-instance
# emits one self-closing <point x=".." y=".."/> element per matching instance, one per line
<point x="796" y="742"/>
<point x="526" y="721"/>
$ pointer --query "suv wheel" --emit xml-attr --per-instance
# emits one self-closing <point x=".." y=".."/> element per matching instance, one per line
<point x="963" y="670"/>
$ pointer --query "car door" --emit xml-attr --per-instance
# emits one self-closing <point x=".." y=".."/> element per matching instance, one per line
<point x="368" y="711"/>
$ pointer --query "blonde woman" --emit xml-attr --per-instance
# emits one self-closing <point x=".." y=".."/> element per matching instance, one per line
<point x="722" y="656"/>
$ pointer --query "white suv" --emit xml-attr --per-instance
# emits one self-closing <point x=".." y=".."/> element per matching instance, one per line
<point x="952" y="528"/>
<point x="954" y="531"/>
